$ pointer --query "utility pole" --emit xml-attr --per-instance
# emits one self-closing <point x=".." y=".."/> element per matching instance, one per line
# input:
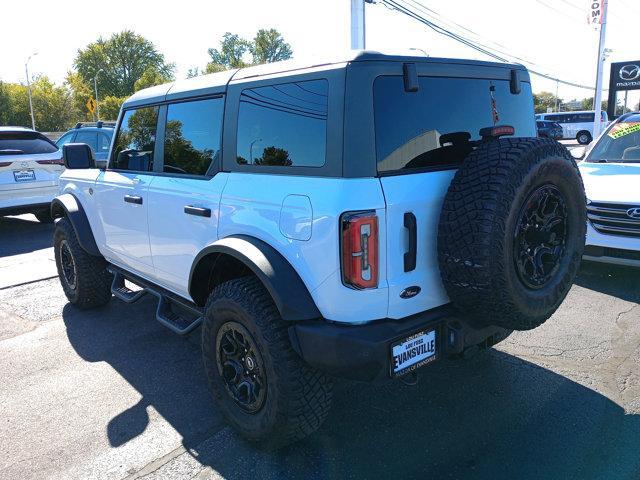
<point x="26" y="69"/>
<point x="597" y="98"/>
<point x="557" y="100"/>
<point x="95" y="87"/>
<point x="357" y="25"/>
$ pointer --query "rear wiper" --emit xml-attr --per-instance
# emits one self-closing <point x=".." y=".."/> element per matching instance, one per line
<point x="11" y="151"/>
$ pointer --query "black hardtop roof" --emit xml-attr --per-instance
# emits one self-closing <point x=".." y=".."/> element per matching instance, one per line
<point x="217" y="82"/>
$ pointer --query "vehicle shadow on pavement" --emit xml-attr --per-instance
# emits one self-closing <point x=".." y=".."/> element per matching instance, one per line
<point x="493" y="416"/>
<point x="615" y="280"/>
<point x="24" y="235"/>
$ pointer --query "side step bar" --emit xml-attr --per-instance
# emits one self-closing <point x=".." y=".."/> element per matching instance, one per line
<point x="174" y="321"/>
<point x="165" y="313"/>
<point x="124" y="293"/>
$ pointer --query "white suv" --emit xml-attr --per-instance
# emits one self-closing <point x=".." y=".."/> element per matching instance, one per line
<point x="611" y="174"/>
<point x="358" y="218"/>
<point x="30" y="165"/>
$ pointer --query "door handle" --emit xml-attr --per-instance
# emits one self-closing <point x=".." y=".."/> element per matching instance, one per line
<point x="197" y="211"/>
<point x="133" y="199"/>
<point x="410" y="256"/>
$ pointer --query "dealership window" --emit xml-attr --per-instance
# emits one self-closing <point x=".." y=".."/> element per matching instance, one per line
<point x="283" y="125"/>
<point x="192" y="136"/>
<point x="436" y="127"/>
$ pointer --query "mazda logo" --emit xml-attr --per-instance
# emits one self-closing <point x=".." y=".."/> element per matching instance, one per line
<point x="634" y="213"/>
<point x="630" y="72"/>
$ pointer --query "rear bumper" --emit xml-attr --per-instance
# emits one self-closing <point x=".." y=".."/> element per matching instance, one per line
<point x="22" y="199"/>
<point x="21" y="209"/>
<point x="363" y="352"/>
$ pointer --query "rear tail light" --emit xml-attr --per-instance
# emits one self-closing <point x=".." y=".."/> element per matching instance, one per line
<point x="359" y="236"/>
<point x="51" y="162"/>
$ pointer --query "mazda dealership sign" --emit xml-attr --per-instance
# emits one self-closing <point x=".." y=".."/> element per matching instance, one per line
<point x="624" y="76"/>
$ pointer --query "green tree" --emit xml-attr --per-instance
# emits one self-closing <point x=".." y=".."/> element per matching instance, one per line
<point x="269" y="46"/>
<point x="110" y="107"/>
<point x="124" y="58"/>
<point x="5" y="104"/>
<point x="587" y="104"/>
<point x="232" y="49"/>
<point x="81" y="92"/>
<point x="150" y="78"/>
<point x="52" y="105"/>
<point x="545" y="100"/>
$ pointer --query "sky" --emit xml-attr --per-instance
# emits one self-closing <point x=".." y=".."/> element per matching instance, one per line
<point x="553" y="34"/>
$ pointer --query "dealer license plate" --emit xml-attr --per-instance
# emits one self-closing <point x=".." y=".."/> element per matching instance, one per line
<point x="413" y="352"/>
<point x="24" y="175"/>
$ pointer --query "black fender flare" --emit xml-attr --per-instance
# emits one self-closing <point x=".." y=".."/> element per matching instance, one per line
<point x="289" y="293"/>
<point x="67" y="205"/>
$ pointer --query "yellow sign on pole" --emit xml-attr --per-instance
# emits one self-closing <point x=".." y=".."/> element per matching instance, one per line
<point x="91" y="105"/>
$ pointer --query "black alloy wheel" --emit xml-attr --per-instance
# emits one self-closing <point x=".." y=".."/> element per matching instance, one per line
<point x="241" y="367"/>
<point x="540" y="236"/>
<point x="68" y="265"/>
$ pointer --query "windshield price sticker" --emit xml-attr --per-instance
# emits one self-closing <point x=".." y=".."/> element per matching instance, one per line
<point x="622" y="129"/>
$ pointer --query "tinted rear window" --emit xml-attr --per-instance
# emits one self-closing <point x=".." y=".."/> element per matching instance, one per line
<point x="436" y="126"/>
<point x="24" y="143"/>
<point x="284" y="125"/>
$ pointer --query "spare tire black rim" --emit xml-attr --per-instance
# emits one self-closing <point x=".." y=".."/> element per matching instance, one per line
<point x="241" y="367"/>
<point x="67" y="264"/>
<point x="540" y="236"/>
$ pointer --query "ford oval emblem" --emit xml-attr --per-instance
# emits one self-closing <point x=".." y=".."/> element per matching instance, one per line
<point x="410" y="292"/>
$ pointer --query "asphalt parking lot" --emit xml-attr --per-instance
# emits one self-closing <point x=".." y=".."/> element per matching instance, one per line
<point x="112" y="394"/>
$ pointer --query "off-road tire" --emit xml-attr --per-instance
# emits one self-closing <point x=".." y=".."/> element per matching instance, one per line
<point x="92" y="286"/>
<point x="479" y="220"/>
<point x="44" y="216"/>
<point x="298" y="398"/>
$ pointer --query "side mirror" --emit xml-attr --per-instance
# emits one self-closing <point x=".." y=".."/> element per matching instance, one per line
<point x="578" y="153"/>
<point x="78" y="155"/>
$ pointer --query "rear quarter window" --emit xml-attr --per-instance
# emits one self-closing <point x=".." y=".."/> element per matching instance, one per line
<point x="25" y="143"/>
<point x="284" y="125"/>
<point x="436" y="126"/>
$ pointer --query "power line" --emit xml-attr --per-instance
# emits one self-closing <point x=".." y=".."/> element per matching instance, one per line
<point x="558" y="11"/>
<point x="402" y="7"/>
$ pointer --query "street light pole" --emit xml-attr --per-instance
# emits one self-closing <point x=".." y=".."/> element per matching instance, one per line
<point x="357" y="25"/>
<point x="95" y="87"/>
<point x="26" y="69"/>
<point x="597" y="99"/>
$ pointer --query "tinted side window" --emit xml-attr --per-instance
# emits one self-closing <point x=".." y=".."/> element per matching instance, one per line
<point x="66" y="138"/>
<point x="104" y="141"/>
<point x="192" y="138"/>
<point x="436" y="126"/>
<point x="584" y="117"/>
<point x="136" y="140"/>
<point x="90" y="138"/>
<point x="284" y="125"/>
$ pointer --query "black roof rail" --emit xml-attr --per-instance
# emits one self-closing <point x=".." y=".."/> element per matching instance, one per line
<point x="99" y="124"/>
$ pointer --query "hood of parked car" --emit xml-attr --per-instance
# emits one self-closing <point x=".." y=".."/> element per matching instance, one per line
<point x="611" y="182"/>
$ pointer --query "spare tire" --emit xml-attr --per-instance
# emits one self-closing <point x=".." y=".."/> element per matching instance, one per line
<point x="512" y="232"/>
